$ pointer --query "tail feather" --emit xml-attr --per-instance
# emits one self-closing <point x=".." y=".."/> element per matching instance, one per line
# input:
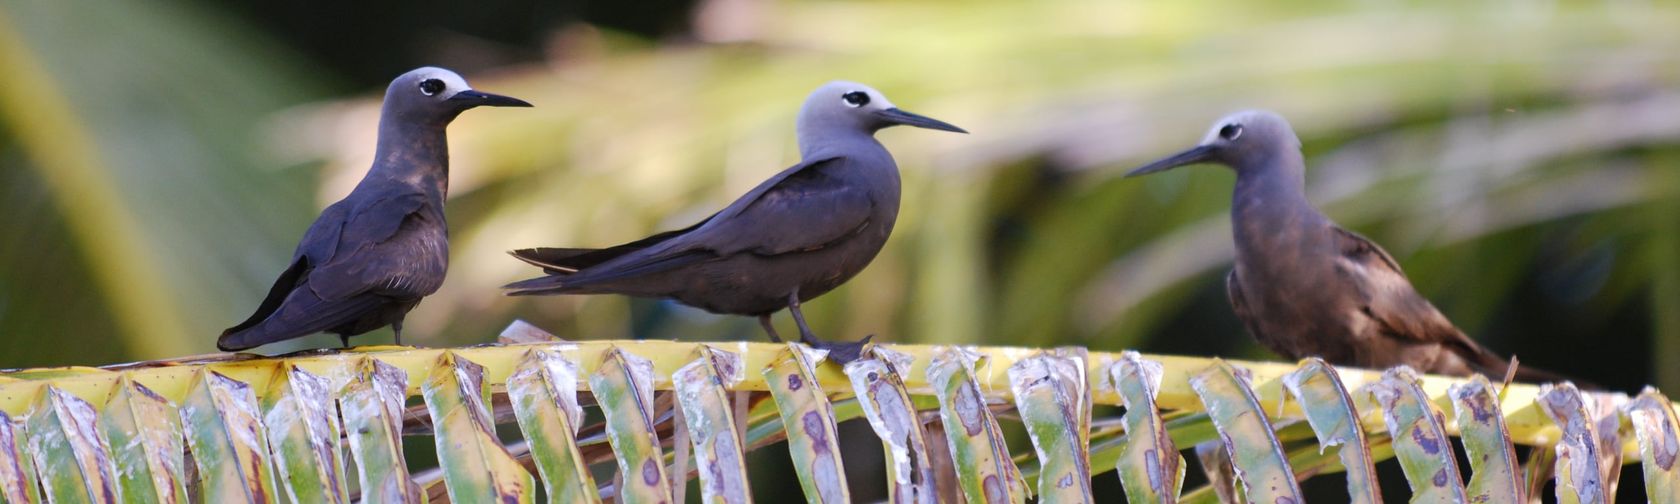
<point x="302" y="314"/>
<point x="601" y="280"/>
<point x="555" y="260"/>
<point x="277" y="294"/>
<point x="552" y="284"/>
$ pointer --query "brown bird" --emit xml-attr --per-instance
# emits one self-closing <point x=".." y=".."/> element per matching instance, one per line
<point x="1304" y="286"/>
<point x="370" y="258"/>
<point x="796" y="236"/>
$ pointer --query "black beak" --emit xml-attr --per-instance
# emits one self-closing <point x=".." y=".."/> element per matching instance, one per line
<point x="896" y="116"/>
<point x="474" y="98"/>
<point x="1197" y="154"/>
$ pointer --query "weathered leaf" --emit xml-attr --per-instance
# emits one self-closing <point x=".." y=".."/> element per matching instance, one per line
<point x="887" y="404"/>
<point x="1658" y="430"/>
<point x="303" y="431"/>
<point x="1420" y="438"/>
<point x="372" y="406"/>
<point x="1307" y="461"/>
<point x="1080" y="356"/>
<point x="68" y="450"/>
<point x="1578" y="478"/>
<point x="1050" y="394"/>
<point x="1175" y="394"/>
<point x="1335" y="420"/>
<point x="623" y="386"/>
<point x="708" y="416"/>
<point x="225" y="435"/>
<point x="1494" y="474"/>
<point x="144" y="430"/>
<point x="1151" y="469"/>
<point x="476" y="467"/>
<point x="984" y="468"/>
<point x="521" y="332"/>
<point x="1605" y="410"/>
<point x="813" y="440"/>
<point x="17" y="474"/>
<point x="544" y="394"/>
<point x="1261" y="467"/>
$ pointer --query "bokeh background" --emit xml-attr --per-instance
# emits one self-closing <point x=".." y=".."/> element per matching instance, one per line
<point x="159" y="159"/>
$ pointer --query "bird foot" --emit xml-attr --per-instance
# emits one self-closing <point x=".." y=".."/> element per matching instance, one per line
<point x="840" y="352"/>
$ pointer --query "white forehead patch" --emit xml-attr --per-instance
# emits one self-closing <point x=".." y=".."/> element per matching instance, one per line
<point x="452" y="82"/>
<point x="1243" y="118"/>
<point x="839" y="88"/>
<point x="1213" y="132"/>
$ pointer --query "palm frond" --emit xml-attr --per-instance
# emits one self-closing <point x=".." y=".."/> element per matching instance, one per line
<point x="256" y="427"/>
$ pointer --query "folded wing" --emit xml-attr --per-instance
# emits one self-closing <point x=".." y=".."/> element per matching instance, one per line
<point x="806" y="207"/>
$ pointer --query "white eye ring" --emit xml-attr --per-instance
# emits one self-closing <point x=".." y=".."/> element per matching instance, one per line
<point x="855" y="99"/>
<point x="1231" y="131"/>
<point x="430" y="87"/>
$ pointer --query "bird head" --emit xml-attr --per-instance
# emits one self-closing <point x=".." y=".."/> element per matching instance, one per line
<point x="849" y="106"/>
<point x="428" y="94"/>
<point x="1236" y="141"/>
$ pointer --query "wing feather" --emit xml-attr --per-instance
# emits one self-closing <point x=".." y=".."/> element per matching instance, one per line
<point x="803" y="208"/>
<point x="283" y="286"/>
<point x="1389" y="296"/>
<point x="390" y="247"/>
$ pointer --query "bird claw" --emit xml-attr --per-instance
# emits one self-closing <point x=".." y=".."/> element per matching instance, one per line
<point x="840" y="352"/>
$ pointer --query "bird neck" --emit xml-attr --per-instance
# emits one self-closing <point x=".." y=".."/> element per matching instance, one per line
<point x="412" y="153"/>
<point x="819" y="142"/>
<point x="1269" y="206"/>
<point x="1272" y="182"/>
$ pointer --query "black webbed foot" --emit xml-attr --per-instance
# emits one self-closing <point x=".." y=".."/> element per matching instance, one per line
<point x="841" y="352"/>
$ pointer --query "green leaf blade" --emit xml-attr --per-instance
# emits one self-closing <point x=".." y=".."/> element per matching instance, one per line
<point x="476" y="467"/>
<point x="813" y="439"/>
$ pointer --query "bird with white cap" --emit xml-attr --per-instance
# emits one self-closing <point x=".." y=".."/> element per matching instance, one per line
<point x="1305" y="287"/>
<point x="370" y="257"/>
<point x="796" y="236"/>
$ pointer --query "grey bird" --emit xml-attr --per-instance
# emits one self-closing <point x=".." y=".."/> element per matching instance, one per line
<point x="370" y="257"/>
<point x="796" y="236"/>
<point x="1304" y="286"/>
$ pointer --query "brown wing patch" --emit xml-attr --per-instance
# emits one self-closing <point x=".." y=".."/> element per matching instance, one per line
<point x="1391" y="300"/>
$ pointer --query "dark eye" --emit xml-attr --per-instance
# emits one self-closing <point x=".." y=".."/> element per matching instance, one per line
<point x="855" y="99"/>
<point x="1230" y="131"/>
<point x="431" y="87"/>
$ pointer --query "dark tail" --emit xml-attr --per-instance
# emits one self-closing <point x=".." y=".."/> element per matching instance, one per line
<point x="606" y="279"/>
<point x="276" y="295"/>
<point x="558" y="263"/>
<point x="552" y="284"/>
<point x="557" y="260"/>
<point x="302" y="314"/>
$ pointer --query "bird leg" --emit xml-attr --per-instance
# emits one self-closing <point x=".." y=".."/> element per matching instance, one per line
<point x="841" y="353"/>
<point x="764" y="321"/>
<point x="345" y="339"/>
<point x="805" y="333"/>
<point x="396" y="330"/>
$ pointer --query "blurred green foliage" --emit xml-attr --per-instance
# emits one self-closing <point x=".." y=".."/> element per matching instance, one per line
<point x="1517" y="158"/>
<point x="139" y="207"/>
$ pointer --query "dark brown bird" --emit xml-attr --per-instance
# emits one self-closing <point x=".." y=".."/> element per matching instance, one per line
<point x="1304" y="286"/>
<point x="796" y="236"/>
<point x="369" y="258"/>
